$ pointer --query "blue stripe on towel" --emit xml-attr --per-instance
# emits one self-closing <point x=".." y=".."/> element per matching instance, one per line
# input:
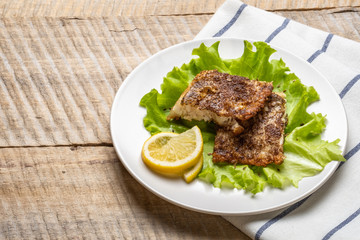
<point x="278" y="30"/>
<point x="323" y="49"/>
<point x="342" y="224"/>
<point x="350" y="154"/>
<point x="258" y="234"/>
<point x="232" y="21"/>
<point x="349" y="85"/>
<point x="278" y="217"/>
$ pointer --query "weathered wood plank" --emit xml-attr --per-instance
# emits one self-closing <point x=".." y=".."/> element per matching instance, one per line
<point x="107" y="8"/>
<point x="59" y="76"/>
<point x="63" y="192"/>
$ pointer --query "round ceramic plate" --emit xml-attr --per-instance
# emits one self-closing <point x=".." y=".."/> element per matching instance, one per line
<point x="129" y="134"/>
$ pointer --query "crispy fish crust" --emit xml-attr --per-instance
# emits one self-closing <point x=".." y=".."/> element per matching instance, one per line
<point x="223" y="98"/>
<point x="262" y="141"/>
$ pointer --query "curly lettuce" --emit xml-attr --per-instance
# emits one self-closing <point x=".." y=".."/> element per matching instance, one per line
<point x="306" y="153"/>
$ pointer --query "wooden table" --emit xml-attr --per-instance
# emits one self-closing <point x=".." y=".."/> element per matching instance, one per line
<point x="61" y="63"/>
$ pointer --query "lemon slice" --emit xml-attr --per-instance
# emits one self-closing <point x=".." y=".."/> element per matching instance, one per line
<point x="191" y="173"/>
<point x="172" y="153"/>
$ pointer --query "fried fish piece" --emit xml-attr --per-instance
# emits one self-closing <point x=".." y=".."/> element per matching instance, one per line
<point x="222" y="98"/>
<point x="261" y="143"/>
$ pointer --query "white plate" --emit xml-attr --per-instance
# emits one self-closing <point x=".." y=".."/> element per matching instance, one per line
<point x="129" y="134"/>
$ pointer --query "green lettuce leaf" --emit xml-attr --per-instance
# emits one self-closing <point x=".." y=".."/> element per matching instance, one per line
<point x="306" y="153"/>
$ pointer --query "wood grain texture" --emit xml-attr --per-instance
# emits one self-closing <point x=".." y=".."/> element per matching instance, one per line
<point x="60" y="75"/>
<point x="85" y="193"/>
<point x="106" y="8"/>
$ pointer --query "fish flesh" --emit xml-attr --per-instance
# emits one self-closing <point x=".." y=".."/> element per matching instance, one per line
<point x="225" y="99"/>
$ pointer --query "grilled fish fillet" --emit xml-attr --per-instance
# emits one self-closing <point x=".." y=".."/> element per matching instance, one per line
<point x="262" y="141"/>
<point x="222" y="98"/>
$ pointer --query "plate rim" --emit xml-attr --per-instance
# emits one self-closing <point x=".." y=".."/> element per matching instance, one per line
<point x="214" y="212"/>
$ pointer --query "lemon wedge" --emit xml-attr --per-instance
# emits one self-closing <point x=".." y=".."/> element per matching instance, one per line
<point x="191" y="173"/>
<point x="171" y="153"/>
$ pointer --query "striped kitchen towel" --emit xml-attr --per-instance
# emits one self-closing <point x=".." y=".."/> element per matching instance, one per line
<point x="333" y="211"/>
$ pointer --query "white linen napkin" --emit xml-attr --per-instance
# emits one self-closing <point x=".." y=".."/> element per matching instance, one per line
<point x="333" y="211"/>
